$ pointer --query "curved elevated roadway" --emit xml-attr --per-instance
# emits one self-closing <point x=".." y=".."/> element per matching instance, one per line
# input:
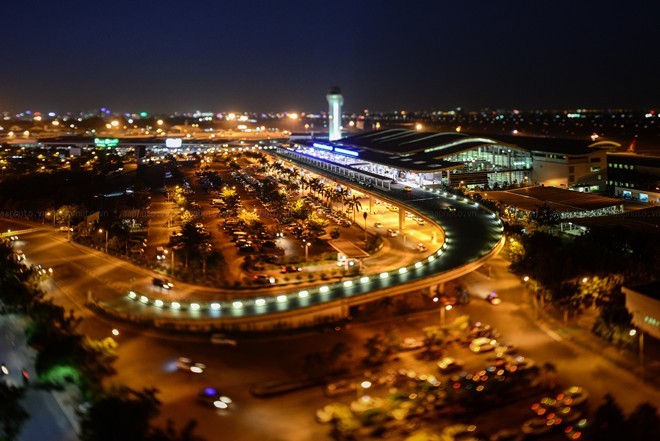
<point x="473" y="235"/>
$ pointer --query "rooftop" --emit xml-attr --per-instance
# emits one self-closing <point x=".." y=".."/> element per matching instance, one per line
<point x="647" y="219"/>
<point x="556" y="145"/>
<point x="651" y="289"/>
<point x="530" y="198"/>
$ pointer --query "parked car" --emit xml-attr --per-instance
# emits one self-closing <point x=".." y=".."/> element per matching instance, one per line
<point x="378" y="225"/>
<point x="482" y="344"/>
<point x="339" y="388"/>
<point x="421" y="247"/>
<point x="290" y="269"/>
<point x="392" y="233"/>
<point x="264" y="278"/>
<point x="410" y="343"/>
<point x="449" y="364"/>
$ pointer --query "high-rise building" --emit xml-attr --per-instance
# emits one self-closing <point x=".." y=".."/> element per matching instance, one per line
<point x="335" y="101"/>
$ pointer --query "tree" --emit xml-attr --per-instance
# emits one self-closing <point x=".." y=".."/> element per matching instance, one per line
<point x="643" y="423"/>
<point x="339" y="351"/>
<point x="248" y="217"/>
<point x="434" y="336"/>
<point x="299" y="210"/>
<point x="12" y="413"/>
<point x="316" y="225"/>
<point x="614" y="321"/>
<point x="314" y="366"/>
<point x="187" y="217"/>
<point x="120" y="413"/>
<point x="377" y="349"/>
<point x="354" y="204"/>
<point x="609" y="422"/>
<point x="170" y="433"/>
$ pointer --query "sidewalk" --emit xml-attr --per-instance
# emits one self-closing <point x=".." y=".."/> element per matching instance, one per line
<point x="575" y="332"/>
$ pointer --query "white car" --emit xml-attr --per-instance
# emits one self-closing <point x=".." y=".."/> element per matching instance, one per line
<point x="410" y="343"/>
<point x="421" y="247"/>
<point x="64" y="229"/>
<point x="392" y="233"/>
<point x="482" y="344"/>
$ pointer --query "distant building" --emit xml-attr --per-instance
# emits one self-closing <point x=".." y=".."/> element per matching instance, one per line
<point x="643" y="302"/>
<point x="634" y="177"/>
<point x="566" y="163"/>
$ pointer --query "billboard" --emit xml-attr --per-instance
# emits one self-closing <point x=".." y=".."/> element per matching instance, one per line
<point x="173" y="143"/>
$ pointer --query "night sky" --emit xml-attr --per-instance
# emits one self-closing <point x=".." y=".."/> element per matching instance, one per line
<point x="162" y="56"/>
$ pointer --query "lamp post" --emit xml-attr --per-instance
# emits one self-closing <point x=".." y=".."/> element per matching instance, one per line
<point x="364" y="215"/>
<point x="106" y="239"/>
<point x="172" y="264"/>
<point x="306" y="245"/>
<point x="632" y="333"/>
<point x="443" y="313"/>
<point x="363" y="386"/>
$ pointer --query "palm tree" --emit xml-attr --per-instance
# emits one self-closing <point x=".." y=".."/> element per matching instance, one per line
<point x="354" y="204"/>
<point x="315" y="185"/>
<point x="304" y="183"/>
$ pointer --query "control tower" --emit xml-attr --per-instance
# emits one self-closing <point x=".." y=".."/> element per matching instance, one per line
<point x="335" y="101"/>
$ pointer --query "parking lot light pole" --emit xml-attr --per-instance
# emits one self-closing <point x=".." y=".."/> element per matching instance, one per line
<point x="106" y="239"/>
<point x="364" y="215"/>
<point x="361" y="388"/>
<point x="640" y="340"/>
<point x="172" y="264"/>
<point x="306" y="246"/>
<point x="443" y="313"/>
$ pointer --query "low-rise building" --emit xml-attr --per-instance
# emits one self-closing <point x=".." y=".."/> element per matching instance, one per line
<point x="634" y="177"/>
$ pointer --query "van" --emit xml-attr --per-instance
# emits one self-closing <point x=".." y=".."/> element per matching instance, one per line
<point x="238" y="235"/>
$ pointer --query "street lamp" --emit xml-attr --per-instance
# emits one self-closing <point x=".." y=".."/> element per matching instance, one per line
<point x="632" y="333"/>
<point x="443" y="312"/>
<point x="362" y="387"/>
<point x="115" y="332"/>
<point x="306" y="245"/>
<point x="106" y="239"/>
<point x="364" y="215"/>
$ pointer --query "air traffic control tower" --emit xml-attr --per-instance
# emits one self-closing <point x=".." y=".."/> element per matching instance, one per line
<point x="335" y="101"/>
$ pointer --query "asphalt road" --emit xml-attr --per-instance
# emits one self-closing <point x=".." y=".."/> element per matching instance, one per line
<point x="147" y="358"/>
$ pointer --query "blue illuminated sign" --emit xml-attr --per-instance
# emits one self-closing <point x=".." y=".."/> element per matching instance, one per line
<point x="322" y="146"/>
<point x="346" y="152"/>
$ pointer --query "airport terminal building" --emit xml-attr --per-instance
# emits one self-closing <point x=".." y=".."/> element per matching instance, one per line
<point x="418" y="158"/>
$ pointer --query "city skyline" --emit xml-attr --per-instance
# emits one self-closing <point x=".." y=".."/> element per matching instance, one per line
<point x="286" y="56"/>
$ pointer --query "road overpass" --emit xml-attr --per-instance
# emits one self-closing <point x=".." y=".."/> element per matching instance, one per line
<point x="472" y="236"/>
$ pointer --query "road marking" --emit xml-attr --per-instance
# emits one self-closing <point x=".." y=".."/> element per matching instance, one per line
<point x="552" y="334"/>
